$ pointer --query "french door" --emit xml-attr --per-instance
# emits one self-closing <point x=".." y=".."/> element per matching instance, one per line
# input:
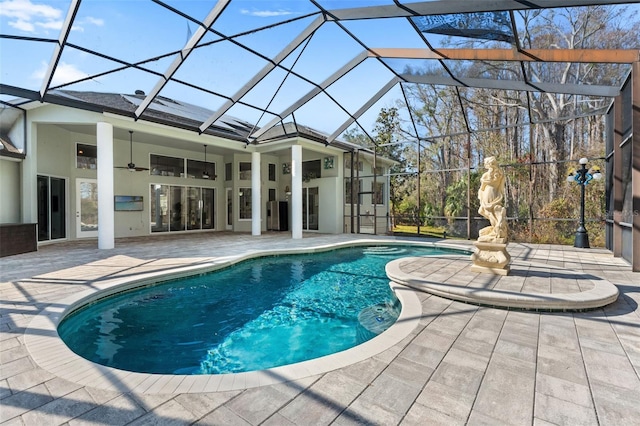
<point x="86" y="208"/>
<point x="229" y="216"/>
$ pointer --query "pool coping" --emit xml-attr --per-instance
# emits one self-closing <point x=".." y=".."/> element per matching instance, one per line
<point x="49" y="351"/>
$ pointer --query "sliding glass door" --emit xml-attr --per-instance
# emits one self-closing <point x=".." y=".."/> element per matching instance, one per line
<point x="52" y="208"/>
<point x="181" y="208"/>
<point x="310" y="209"/>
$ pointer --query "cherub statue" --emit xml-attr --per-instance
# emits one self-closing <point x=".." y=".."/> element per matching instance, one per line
<point x="491" y="196"/>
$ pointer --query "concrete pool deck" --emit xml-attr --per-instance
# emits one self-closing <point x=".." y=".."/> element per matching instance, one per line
<point x="459" y="363"/>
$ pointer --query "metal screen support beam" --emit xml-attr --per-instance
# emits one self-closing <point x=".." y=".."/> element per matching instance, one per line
<point x="364" y="108"/>
<point x="443" y="7"/>
<point x="263" y="72"/>
<point x="604" y="56"/>
<point x="357" y="60"/>
<point x="200" y="32"/>
<point x="635" y="167"/>
<point x="415" y="129"/>
<point x="481" y="83"/>
<point x="351" y="203"/>
<point x="616" y="185"/>
<point x="469" y="217"/>
<point x="57" y="52"/>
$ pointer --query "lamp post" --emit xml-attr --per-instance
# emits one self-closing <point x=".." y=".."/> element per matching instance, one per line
<point x="582" y="177"/>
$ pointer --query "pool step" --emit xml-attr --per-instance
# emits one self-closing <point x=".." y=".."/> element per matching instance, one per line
<point x="384" y="250"/>
<point x="375" y="319"/>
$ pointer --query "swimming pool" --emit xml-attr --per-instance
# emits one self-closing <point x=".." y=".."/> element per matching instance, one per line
<point x="257" y="314"/>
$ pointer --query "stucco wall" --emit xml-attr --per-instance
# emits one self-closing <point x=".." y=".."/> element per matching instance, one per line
<point x="9" y="191"/>
<point x="57" y="156"/>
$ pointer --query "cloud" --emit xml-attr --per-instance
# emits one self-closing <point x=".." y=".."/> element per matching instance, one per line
<point x="65" y="73"/>
<point x="94" y="21"/>
<point x="266" y="13"/>
<point x="23" y="26"/>
<point x="50" y="25"/>
<point x="79" y="25"/>
<point x="29" y="17"/>
<point x="26" y="16"/>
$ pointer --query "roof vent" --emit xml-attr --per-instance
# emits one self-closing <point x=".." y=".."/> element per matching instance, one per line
<point x="140" y="92"/>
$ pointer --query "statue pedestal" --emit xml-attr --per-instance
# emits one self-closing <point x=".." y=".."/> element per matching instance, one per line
<point x="490" y="258"/>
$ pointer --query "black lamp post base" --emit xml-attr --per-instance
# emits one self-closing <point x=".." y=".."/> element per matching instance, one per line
<point x="582" y="239"/>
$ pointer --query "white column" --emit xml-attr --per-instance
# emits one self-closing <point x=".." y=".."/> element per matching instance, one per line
<point x="29" y="175"/>
<point x="106" y="221"/>
<point x="256" y="190"/>
<point x="296" y="192"/>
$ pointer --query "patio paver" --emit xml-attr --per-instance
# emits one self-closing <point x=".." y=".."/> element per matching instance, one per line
<point x="460" y="364"/>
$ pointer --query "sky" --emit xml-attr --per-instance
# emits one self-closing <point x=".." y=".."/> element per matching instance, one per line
<point x="140" y="32"/>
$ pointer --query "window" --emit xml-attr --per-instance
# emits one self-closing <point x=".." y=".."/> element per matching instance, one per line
<point x="86" y="156"/>
<point x="228" y="174"/>
<point x="244" y="203"/>
<point x="245" y="171"/>
<point x="378" y="171"/>
<point x="378" y="192"/>
<point x="357" y="184"/>
<point x="167" y="166"/>
<point x="359" y="164"/>
<point x="311" y="170"/>
<point x="272" y="194"/>
<point x="199" y="169"/>
<point x="272" y="172"/>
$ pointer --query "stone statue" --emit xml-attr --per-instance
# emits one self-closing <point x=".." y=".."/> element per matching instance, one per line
<point x="491" y="195"/>
<point x="491" y="254"/>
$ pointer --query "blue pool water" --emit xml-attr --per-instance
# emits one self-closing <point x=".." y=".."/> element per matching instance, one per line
<point x="257" y="314"/>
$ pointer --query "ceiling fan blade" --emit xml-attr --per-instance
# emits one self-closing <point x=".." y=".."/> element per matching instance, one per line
<point x="131" y="167"/>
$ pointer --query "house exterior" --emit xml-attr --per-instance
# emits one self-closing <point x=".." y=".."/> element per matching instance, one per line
<point x="87" y="172"/>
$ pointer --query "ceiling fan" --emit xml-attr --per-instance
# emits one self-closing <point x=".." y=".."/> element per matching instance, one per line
<point x="131" y="166"/>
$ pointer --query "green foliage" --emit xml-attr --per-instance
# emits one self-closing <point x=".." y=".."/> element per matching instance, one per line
<point x="456" y="201"/>
<point x="430" y="210"/>
<point x="551" y="230"/>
